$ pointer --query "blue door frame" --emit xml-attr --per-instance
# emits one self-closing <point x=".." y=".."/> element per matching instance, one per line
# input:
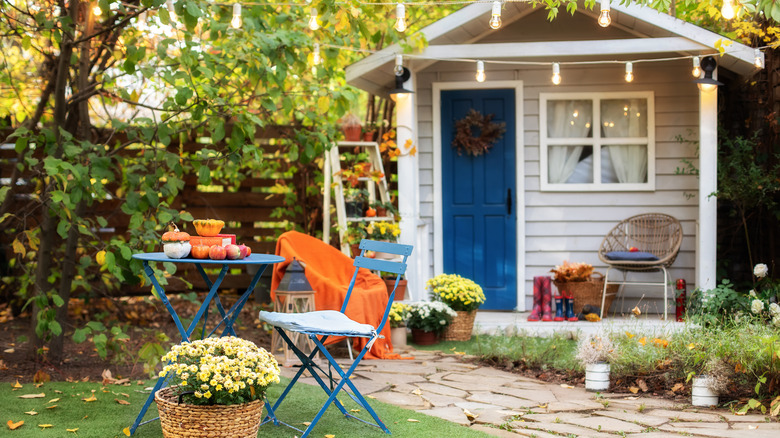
<point x="479" y="219"/>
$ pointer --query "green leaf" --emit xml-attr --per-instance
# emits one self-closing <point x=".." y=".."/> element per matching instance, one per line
<point x="80" y="335"/>
<point x="58" y="301"/>
<point x="62" y="228"/>
<point x="164" y="217"/>
<point x="96" y="326"/>
<point x="55" y="328"/>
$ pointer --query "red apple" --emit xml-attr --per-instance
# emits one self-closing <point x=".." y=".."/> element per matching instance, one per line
<point x="233" y="252"/>
<point x="244" y="250"/>
<point x="248" y="251"/>
<point x="217" y="252"/>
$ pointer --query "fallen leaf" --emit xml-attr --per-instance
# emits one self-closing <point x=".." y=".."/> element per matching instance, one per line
<point x="31" y="413"/>
<point x="72" y="430"/>
<point x="643" y="340"/>
<point x="351" y="410"/>
<point x="563" y="385"/>
<point x="738" y="368"/>
<point x="14" y="426"/>
<point x="740" y="413"/>
<point x="41" y="395"/>
<point x="306" y="423"/>
<point x="750" y="426"/>
<point x="90" y="399"/>
<point x="51" y="407"/>
<point x="677" y="387"/>
<point x="38" y="385"/>
<point x="471" y="416"/>
<point x="330" y="435"/>
<point x="417" y="392"/>
<point x="41" y="376"/>
<point x="45" y="426"/>
<point x="463" y="352"/>
<point x="17" y="385"/>
<point x="630" y="335"/>
<point x="636" y="311"/>
<point x="691" y="346"/>
<point x="124" y="395"/>
<point x="54" y="400"/>
<point x="371" y="397"/>
<point x="57" y="391"/>
<point x="633" y="389"/>
<point x="122" y="382"/>
<point x="107" y="377"/>
<point x="630" y="398"/>
<point x="642" y="384"/>
<point x="412" y="420"/>
<point x="126" y="431"/>
<point x="8" y="350"/>
<point x="544" y="406"/>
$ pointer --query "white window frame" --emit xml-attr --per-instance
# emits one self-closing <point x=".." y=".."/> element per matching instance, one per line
<point x="596" y="142"/>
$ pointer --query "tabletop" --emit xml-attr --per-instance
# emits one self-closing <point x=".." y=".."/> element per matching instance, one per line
<point x="252" y="259"/>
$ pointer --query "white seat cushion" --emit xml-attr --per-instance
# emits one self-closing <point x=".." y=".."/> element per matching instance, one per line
<point x="325" y="322"/>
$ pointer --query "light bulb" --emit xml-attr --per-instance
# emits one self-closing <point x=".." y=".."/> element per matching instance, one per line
<point x="236" y="21"/>
<point x="629" y="72"/>
<point x="604" y="19"/>
<point x="313" y="23"/>
<point x="480" y="71"/>
<point x="727" y="11"/>
<point x="400" y="14"/>
<point x="556" y="77"/>
<point x="97" y="11"/>
<point x="495" y="16"/>
<point x="315" y="58"/>
<point x="696" y="72"/>
<point x="171" y="9"/>
<point x="399" y="65"/>
<point x="758" y="58"/>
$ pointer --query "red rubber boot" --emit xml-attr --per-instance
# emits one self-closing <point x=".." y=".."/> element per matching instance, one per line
<point x="546" y="299"/>
<point x="536" y="312"/>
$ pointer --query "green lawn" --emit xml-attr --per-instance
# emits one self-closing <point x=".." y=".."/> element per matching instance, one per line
<point x="105" y="417"/>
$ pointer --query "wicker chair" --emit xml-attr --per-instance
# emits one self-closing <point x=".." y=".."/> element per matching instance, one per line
<point x="656" y="237"/>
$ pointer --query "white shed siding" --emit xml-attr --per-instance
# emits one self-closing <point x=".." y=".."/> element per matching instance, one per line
<point x="570" y="225"/>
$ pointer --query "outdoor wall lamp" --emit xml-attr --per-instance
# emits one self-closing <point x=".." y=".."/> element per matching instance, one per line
<point x="399" y="91"/>
<point x="708" y="64"/>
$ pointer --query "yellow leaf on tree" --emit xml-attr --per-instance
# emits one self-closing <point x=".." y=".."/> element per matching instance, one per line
<point x="41" y="395"/>
<point x="100" y="258"/>
<point x="90" y="399"/>
<point x="14" y="426"/>
<point x="323" y="104"/>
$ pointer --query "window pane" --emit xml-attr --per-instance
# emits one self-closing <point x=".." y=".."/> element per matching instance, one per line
<point x="570" y="164"/>
<point x="624" y="163"/>
<point x="569" y="118"/>
<point x="623" y="118"/>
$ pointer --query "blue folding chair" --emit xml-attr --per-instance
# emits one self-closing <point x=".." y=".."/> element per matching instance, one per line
<point x="320" y="325"/>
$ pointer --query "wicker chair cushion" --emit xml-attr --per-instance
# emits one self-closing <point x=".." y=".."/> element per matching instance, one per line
<point x="635" y="256"/>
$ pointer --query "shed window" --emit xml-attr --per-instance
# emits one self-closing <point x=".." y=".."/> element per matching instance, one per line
<point x="617" y="156"/>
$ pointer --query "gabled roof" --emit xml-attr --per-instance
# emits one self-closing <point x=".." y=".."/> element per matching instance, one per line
<point x="635" y="31"/>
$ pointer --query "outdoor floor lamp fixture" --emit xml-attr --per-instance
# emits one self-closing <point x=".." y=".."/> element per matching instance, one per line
<point x="708" y="64"/>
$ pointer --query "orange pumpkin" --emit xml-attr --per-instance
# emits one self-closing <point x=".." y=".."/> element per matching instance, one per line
<point x="175" y="236"/>
<point x="200" y="251"/>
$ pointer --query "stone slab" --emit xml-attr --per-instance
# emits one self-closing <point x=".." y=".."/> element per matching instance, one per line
<point x="605" y="424"/>
<point x="492" y="416"/>
<point x="390" y="378"/>
<point x="750" y="418"/>
<point x="441" y="389"/>
<point x="506" y="401"/>
<point x="438" y="400"/>
<point x="409" y="401"/>
<point x="524" y="383"/>
<point x="538" y="395"/>
<point x="483" y="372"/>
<point x="469" y="386"/>
<point x="485" y="382"/>
<point x="580" y="405"/>
<point x="654" y="435"/>
<point x="685" y="415"/>
<point x="635" y="403"/>
<point x="473" y="406"/>
<point x="552" y="418"/>
<point x="562" y="429"/>
<point x="403" y="367"/>
<point x="494" y="431"/>
<point x="688" y="425"/>
<point x="366" y="386"/>
<point x="727" y="433"/>
<point x="754" y="426"/>
<point x="643" y="419"/>
<point x="452" y="414"/>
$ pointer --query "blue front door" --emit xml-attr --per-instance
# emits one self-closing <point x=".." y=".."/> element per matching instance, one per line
<point x="478" y="193"/>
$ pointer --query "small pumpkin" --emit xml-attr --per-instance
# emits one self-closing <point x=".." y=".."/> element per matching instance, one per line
<point x="176" y="244"/>
<point x="175" y="235"/>
<point x="200" y="251"/>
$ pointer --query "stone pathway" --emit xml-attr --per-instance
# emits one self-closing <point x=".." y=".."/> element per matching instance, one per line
<point x="509" y="405"/>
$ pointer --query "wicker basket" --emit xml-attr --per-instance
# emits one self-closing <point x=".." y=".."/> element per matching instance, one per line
<point x="190" y="421"/>
<point x="588" y="292"/>
<point x="460" y="328"/>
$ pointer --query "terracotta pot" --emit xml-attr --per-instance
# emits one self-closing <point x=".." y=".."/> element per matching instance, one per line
<point x="421" y="337"/>
<point x="369" y="136"/>
<point x="354" y="249"/>
<point x="352" y="132"/>
<point x="398" y="337"/>
<point x="400" y="291"/>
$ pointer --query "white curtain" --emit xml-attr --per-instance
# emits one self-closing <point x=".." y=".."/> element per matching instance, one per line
<point x="625" y="118"/>
<point x="566" y="119"/>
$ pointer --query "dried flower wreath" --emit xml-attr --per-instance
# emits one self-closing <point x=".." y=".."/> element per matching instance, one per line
<point x="489" y="133"/>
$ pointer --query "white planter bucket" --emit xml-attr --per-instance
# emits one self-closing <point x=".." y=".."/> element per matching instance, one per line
<point x="701" y="394"/>
<point x="398" y="337"/>
<point x="597" y="376"/>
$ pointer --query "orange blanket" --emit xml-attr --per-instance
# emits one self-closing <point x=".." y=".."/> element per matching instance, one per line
<point x="329" y="273"/>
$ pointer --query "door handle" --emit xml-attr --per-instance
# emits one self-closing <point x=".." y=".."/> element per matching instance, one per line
<point x="508" y="201"/>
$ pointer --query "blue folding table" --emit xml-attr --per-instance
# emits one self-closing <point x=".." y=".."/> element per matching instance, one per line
<point x="228" y="317"/>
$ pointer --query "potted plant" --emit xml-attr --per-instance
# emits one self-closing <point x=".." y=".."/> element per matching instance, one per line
<point x="218" y="388"/>
<point x="370" y="131"/>
<point x="350" y="125"/>
<point x="383" y="209"/>
<point x="399" y="313"/>
<point x="352" y="236"/>
<point x="389" y="279"/>
<point x="386" y="231"/>
<point x="713" y="381"/>
<point x="595" y="352"/>
<point x="463" y="296"/>
<point x="354" y="201"/>
<point x="427" y="319"/>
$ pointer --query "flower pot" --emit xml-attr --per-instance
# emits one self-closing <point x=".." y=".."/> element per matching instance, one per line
<point x="701" y="394"/>
<point x="354" y="208"/>
<point x="400" y="291"/>
<point x="461" y="326"/>
<point x="597" y="376"/>
<point x="398" y="337"/>
<point x="352" y="132"/>
<point x="354" y="249"/>
<point x="421" y="337"/>
<point x="184" y="420"/>
<point x="369" y="136"/>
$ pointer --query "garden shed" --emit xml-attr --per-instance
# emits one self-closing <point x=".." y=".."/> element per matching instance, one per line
<point x="552" y="186"/>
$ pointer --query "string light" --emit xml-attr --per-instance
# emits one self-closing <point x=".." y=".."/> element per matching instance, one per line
<point x="313" y="23"/>
<point x="480" y="71"/>
<point x="495" y="16"/>
<point x="556" y="77"/>
<point x="727" y="11"/>
<point x="97" y="11"/>
<point x="758" y="58"/>
<point x="400" y="14"/>
<point x="171" y="9"/>
<point x="604" y="18"/>
<point x="629" y="71"/>
<point x="236" y="21"/>
<point x="315" y="58"/>
<point x="399" y="65"/>
<point x="696" y="72"/>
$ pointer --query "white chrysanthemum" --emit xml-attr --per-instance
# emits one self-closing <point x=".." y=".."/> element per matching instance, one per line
<point x="774" y="309"/>
<point x="756" y="306"/>
<point x="752" y="293"/>
<point x="760" y="270"/>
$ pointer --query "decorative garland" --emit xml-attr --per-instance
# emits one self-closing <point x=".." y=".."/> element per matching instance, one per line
<point x="489" y="133"/>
